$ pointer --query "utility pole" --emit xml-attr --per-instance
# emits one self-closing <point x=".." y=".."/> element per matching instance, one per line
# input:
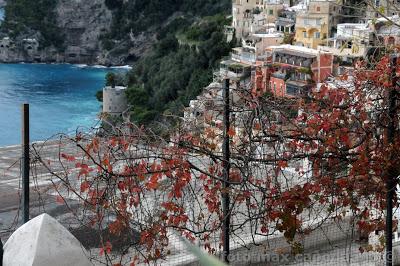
<point x="25" y="161"/>
<point x="226" y="168"/>
<point x="391" y="174"/>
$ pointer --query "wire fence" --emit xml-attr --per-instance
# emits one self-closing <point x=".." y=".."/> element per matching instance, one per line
<point x="128" y="193"/>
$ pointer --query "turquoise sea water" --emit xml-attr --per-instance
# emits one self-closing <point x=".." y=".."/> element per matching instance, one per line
<point x="61" y="97"/>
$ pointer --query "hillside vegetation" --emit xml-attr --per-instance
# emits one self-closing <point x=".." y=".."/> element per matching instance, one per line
<point x="177" y="70"/>
<point x="190" y="41"/>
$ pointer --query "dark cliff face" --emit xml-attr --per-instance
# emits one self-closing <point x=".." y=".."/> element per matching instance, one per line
<point x="81" y="25"/>
<point x="90" y="31"/>
<point x="77" y="24"/>
<point x="82" y="22"/>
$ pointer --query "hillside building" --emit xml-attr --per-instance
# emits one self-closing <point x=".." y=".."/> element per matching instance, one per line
<point x="250" y="15"/>
<point x="317" y="23"/>
<point x="377" y="8"/>
<point x="291" y="71"/>
<point x="286" y="22"/>
<point x="253" y="47"/>
<point x="352" y="41"/>
<point x="388" y="34"/>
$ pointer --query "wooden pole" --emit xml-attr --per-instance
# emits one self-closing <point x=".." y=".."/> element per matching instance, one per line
<point x="25" y="161"/>
<point x="226" y="169"/>
<point x="1" y="253"/>
<point x="391" y="174"/>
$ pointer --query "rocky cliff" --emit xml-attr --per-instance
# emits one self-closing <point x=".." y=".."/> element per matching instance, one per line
<point x="81" y="24"/>
<point x="108" y="32"/>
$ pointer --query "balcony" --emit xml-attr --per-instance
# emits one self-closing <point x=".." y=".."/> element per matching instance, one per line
<point x="293" y="60"/>
<point x="244" y="54"/>
<point x="244" y="57"/>
<point x="297" y="88"/>
<point x="234" y="70"/>
<point x="309" y="24"/>
<point x="279" y="75"/>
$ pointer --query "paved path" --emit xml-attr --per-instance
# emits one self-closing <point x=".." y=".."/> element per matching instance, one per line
<point x="41" y="184"/>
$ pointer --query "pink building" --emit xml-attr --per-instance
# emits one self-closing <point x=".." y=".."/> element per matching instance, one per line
<point x="291" y="71"/>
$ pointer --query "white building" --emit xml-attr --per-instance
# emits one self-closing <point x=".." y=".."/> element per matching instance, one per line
<point x="351" y="41"/>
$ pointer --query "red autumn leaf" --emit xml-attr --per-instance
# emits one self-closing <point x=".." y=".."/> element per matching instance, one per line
<point x="231" y="132"/>
<point x="282" y="164"/>
<point x="106" y="248"/>
<point x="157" y="253"/>
<point x="326" y="126"/>
<point x="60" y="200"/>
<point x="84" y="186"/>
<point x="121" y="186"/>
<point x="342" y="182"/>
<point x="264" y="229"/>
<point x="68" y="157"/>
<point x="235" y="176"/>
<point x="153" y="183"/>
<point x="257" y="126"/>
<point x="113" y="142"/>
<point x="274" y="215"/>
<point x="345" y="138"/>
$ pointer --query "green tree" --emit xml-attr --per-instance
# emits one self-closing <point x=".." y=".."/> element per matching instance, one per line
<point x="111" y="79"/>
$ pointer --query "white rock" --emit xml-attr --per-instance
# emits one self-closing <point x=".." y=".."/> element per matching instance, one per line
<point x="44" y="241"/>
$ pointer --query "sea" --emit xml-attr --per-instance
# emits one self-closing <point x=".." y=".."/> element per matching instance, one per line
<point x="61" y="99"/>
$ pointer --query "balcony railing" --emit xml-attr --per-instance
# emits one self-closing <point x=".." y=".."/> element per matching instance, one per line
<point x="294" y="62"/>
<point x="279" y="75"/>
<point x="234" y="71"/>
<point x="247" y="57"/>
<point x="308" y="25"/>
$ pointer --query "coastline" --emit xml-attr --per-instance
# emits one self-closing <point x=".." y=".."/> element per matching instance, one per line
<point x="62" y="110"/>
<point x="127" y="67"/>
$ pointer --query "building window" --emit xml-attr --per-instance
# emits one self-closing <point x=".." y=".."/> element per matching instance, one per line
<point x="292" y="90"/>
<point x="304" y="34"/>
<point x="317" y="35"/>
<point x="318" y="8"/>
<point x="271" y="11"/>
<point x="318" y="21"/>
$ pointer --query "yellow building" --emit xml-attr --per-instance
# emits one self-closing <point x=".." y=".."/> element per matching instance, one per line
<point x="315" y="25"/>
